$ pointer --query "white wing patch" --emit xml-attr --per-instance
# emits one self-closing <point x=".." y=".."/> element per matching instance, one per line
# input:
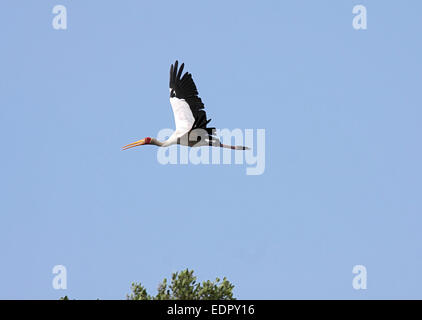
<point x="183" y="116"/>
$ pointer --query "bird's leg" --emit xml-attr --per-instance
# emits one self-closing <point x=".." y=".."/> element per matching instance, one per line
<point x="217" y="143"/>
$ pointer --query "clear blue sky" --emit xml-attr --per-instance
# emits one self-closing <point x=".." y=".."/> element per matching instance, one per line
<point x="342" y="113"/>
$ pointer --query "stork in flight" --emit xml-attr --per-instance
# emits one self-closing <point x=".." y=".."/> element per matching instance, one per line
<point x="189" y="116"/>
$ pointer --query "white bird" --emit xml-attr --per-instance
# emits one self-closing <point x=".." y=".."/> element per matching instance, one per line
<point x="189" y="116"/>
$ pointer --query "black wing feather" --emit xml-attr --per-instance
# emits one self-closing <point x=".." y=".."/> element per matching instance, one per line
<point x="185" y="88"/>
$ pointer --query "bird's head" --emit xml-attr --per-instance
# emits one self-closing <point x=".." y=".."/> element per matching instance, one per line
<point x="141" y="142"/>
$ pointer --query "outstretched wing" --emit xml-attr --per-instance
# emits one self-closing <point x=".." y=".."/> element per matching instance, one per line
<point x="187" y="106"/>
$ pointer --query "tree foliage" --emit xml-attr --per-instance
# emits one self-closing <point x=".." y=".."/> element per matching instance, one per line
<point x="183" y="286"/>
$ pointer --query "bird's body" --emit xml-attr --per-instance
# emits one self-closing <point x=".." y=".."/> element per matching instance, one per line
<point x="189" y="116"/>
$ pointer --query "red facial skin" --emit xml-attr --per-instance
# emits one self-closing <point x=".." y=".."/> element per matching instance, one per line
<point x="147" y="140"/>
